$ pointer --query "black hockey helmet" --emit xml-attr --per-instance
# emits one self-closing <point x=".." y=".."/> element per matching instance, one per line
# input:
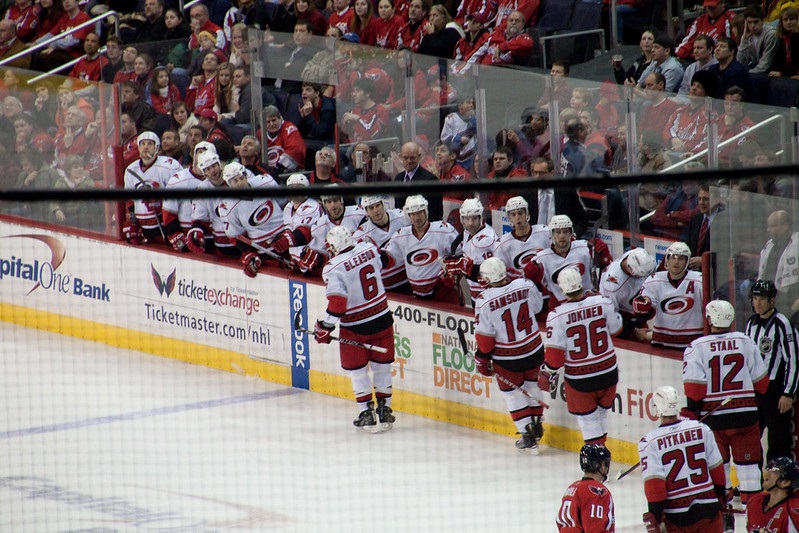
<point x="787" y="468"/>
<point x="593" y="456"/>
<point x="764" y="287"/>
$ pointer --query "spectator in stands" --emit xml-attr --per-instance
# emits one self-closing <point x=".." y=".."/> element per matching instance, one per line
<point x="51" y="12"/>
<point x="240" y="108"/>
<point x="71" y="140"/>
<point x="172" y="147"/>
<point x="70" y="45"/>
<point x="163" y="93"/>
<point x="324" y="167"/>
<point x="657" y="108"/>
<point x="596" y="140"/>
<point x="285" y="146"/>
<point x="703" y="60"/>
<point x="196" y="136"/>
<point x="609" y="120"/>
<point x="11" y="45"/>
<point x="673" y="215"/>
<point x="13" y="85"/>
<point x="387" y="25"/>
<point x="633" y="74"/>
<point x="207" y="45"/>
<point x="535" y="131"/>
<point x="470" y="48"/>
<point x="733" y="121"/>
<point x="26" y="134"/>
<point x="561" y="90"/>
<point x="439" y="38"/>
<point x="450" y="170"/>
<point x="546" y="203"/>
<point x="177" y="35"/>
<point x="778" y="262"/>
<point x="363" y="24"/>
<point x="297" y="53"/>
<point x="318" y="114"/>
<point x="511" y="46"/>
<point x="223" y="91"/>
<point x="306" y="10"/>
<point x="250" y="155"/>
<point x="67" y="98"/>
<point x="212" y="130"/>
<point x="700" y="225"/>
<point x="85" y="215"/>
<point x="153" y="29"/>
<point x="411" y="34"/>
<point x="201" y="21"/>
<point x="575" y="159"/>
<point x="787" y="44"/>
<point x="182" y="120"/>
<point x="368" y="119"/>
<point x="143" y="67"/>
<point x="239" y="46"/>
<point x="134" y="104"/>
<point x="757" y="48"/>
<point x="459" y="132"/>
<point x="686" y="129"/>
<point x="113" y="55"/>
<point x="715" y="22"/>
<point x="664" y="63"/>
<point x="25" y="16"/>
<point x="90" y="66"/>
<point x="652" y="158"/>
<point x="126" y="73"/>
<point x="411" y="157"/>
<point x="502" y="168"/>
<point x="527" y="8"/>
<point x="45" y="107"/>
<point x="37" y="173"/>
<point x="201" y="93"/>
<point x="729" y="70"/>
<point x="341" y="17"/>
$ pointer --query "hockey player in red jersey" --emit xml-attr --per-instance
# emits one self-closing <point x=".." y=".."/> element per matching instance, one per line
<point x="683" y="471"/>
<point x="356" y="300"/>
<point x="724" y="364"/>
<point x="565" y="252"/>
<point x="508" y="344"/>
<point x="587" y="506"/>
<point x="579" y="340"/>
<point x="775" y="509"/>
<point x="479" y="242"/>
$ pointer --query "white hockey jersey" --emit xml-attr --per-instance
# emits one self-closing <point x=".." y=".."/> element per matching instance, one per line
<point x="578" y="257"/>
<point x="505" y="318"/>
<point x="352" y="218"/>
<point x="355" y="291"/>
<point x="478" y="248"/>
<point x="394" y="275"/>
<point x="620" y="287"/>
<point x="579" y="339"/>
<point x="184" y="179"/>
<point x="204" y="210"/>
<point x="722" y="365"/>
<point x="516" y="252"/>
<point x="156" y="176"/>
<point x="305" y="214"/>
<point x="679" y="311"/>
<point x="422" y="256"/>
<point x="260" y="219"/>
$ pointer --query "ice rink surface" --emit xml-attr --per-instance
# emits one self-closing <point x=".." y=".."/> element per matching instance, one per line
<point x="96" y="439"/>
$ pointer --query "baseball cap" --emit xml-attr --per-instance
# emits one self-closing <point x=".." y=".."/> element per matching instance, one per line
<point x="711" y="3"/>
<point x="351" y="37"/>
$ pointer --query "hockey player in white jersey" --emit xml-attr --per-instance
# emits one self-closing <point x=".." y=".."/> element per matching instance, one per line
<point x="509" y="344"/>
<point x="207" y="233"/>
<point x="578" y="339"/>
<point x="478" y="242"/>
<point x="682" y="470"/>
<point x="378" y="227"/>
<point x="259" y="220"/>
<point x="421" y="246"/>
<point x="725" y="364"/>
<point x="621" y="282"/>
<point x="177" y="214"/>
<point x="565" y="252"/>
<point x="524" y="241"/>
<point x="301" y="211"/>
<point x="356" y="300"/>
<point x="674" y="297"/>
<point x="150" y="171"/>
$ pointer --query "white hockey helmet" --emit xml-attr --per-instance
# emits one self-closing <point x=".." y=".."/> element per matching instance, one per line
<point x="493" y="270"/>
<point x="678" y="249"/>
<point x="338" y="239"/>
<point x="297" y="180"/>
<point x="570" y="281"/>
<point x="204" y="145"/>
<point x="415" y="203"/>
<point x="233" y="170"/>
<point x="640" y="263"/>
<point x="720" y="313"/>
<point x="148" y="136"/>
<point x="667" y="401"/>
<point x="517" y="202"/>
<point x="207" y="159"/>
<point x="471" y="207"/>
<point x="332" y="195"/>
<point x="372" y="199"/>
<point x="560" y="222"/>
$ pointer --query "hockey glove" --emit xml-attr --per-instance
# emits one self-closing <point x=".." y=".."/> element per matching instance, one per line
<point x="642" y="306"/>
<point x="251" y="263"/>
<point x="309" y="261"/>
<point x="133" y="233"/>
<point x="548" y="378"/>
<point x="602" y="254"/>
<point x="455" y="266"/>
<point x="448" y="281"/>
<point x="483" y="363"/>
<point x="533" y="271"/>
<point x="283" y="243"/>
<point x="178" y="241"/>
<point x="651" y="523"/>
<point x="195" y="240"/>
<point x="322" y="332"/>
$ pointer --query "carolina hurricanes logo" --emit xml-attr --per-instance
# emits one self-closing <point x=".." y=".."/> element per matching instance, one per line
<point x="273" y="155"/>
<point x="523" y="258"/>
<point x="579" y="267"/>
<point x="421" y="257"/>
<point x="165" y="285"/>
<point x="676" y="305"/>
<point x="261" y="215"/>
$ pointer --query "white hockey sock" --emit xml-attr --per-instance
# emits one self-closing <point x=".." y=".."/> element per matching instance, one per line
<point x="381" y="375"/>
<point x="361" y="385"/>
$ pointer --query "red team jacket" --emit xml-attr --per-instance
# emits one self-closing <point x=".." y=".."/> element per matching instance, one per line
<point x="587" y="507"/>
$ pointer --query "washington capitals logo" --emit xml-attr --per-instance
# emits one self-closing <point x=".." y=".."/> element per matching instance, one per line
<point x="166" y="285"/>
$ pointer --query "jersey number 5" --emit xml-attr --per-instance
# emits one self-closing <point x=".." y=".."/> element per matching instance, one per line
<point x="680" y="458"/>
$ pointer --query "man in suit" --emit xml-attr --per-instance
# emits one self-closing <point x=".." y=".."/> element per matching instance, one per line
<point x="411" y="155"/>
<point x="545" y="203"/>
<point x="699" y="226"/>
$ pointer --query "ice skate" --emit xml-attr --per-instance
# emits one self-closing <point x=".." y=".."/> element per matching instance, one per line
<point x="366" y="421"/>
<point x="728" y="519"/>
<point x="528" y="442"/>
<point x="385" y="415"/>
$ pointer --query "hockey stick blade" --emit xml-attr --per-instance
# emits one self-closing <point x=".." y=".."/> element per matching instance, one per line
<point x="298" y="327"/>
<point x="725" y="401"/>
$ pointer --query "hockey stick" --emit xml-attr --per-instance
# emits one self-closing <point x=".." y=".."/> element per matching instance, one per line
<point x="298" y="327"/>
<point x="147" y="185"/>
<point x="503" y="379"/>
<point x="266" y="251"/>
<point x="725" y="401"/>
<point x="595" y="276"/>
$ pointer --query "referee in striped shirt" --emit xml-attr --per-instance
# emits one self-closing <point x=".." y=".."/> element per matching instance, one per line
<point x="777" y="340"/>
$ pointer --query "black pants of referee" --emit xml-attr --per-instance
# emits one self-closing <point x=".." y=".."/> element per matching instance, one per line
<point x="780" y="425"/>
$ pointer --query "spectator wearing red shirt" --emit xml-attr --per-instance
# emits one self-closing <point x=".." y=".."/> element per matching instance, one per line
<point x="71" y="140"/>
<point x="70" y="45"/>
<point x="502" y="163"/>
<point x="341" y="17"/>
<point x="715" y="22"/>
<point x="487" y="9"/>
<point x="201" y="21"/>
<point x="387" y="25"/>
<point x="306" y="10"/>
<point x="528" y="9"/>
<point x="25" y="16"/>
<point x="211" y="127"/>
<point x="367" y="118"/>
<point x="450" y="170"/>
<point x="511" y="46"/>
<point x="126" y="73"/>
<point x="163" y="93"/>
<point x="364" y="23"/>
<point x="411" y="34"/>
<point x="90" y="66"/>
<point x="470" y="48"/>
<point x="201" y="93"/>
<point x="285" y="148"/>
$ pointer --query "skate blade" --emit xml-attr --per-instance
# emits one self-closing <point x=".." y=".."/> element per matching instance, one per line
<point x="368" y="429"/>
<point x="386" y="426"/>
<point x="534" y="450"/>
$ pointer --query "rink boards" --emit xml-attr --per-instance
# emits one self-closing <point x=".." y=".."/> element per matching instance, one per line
<point x="207" y="313"/>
